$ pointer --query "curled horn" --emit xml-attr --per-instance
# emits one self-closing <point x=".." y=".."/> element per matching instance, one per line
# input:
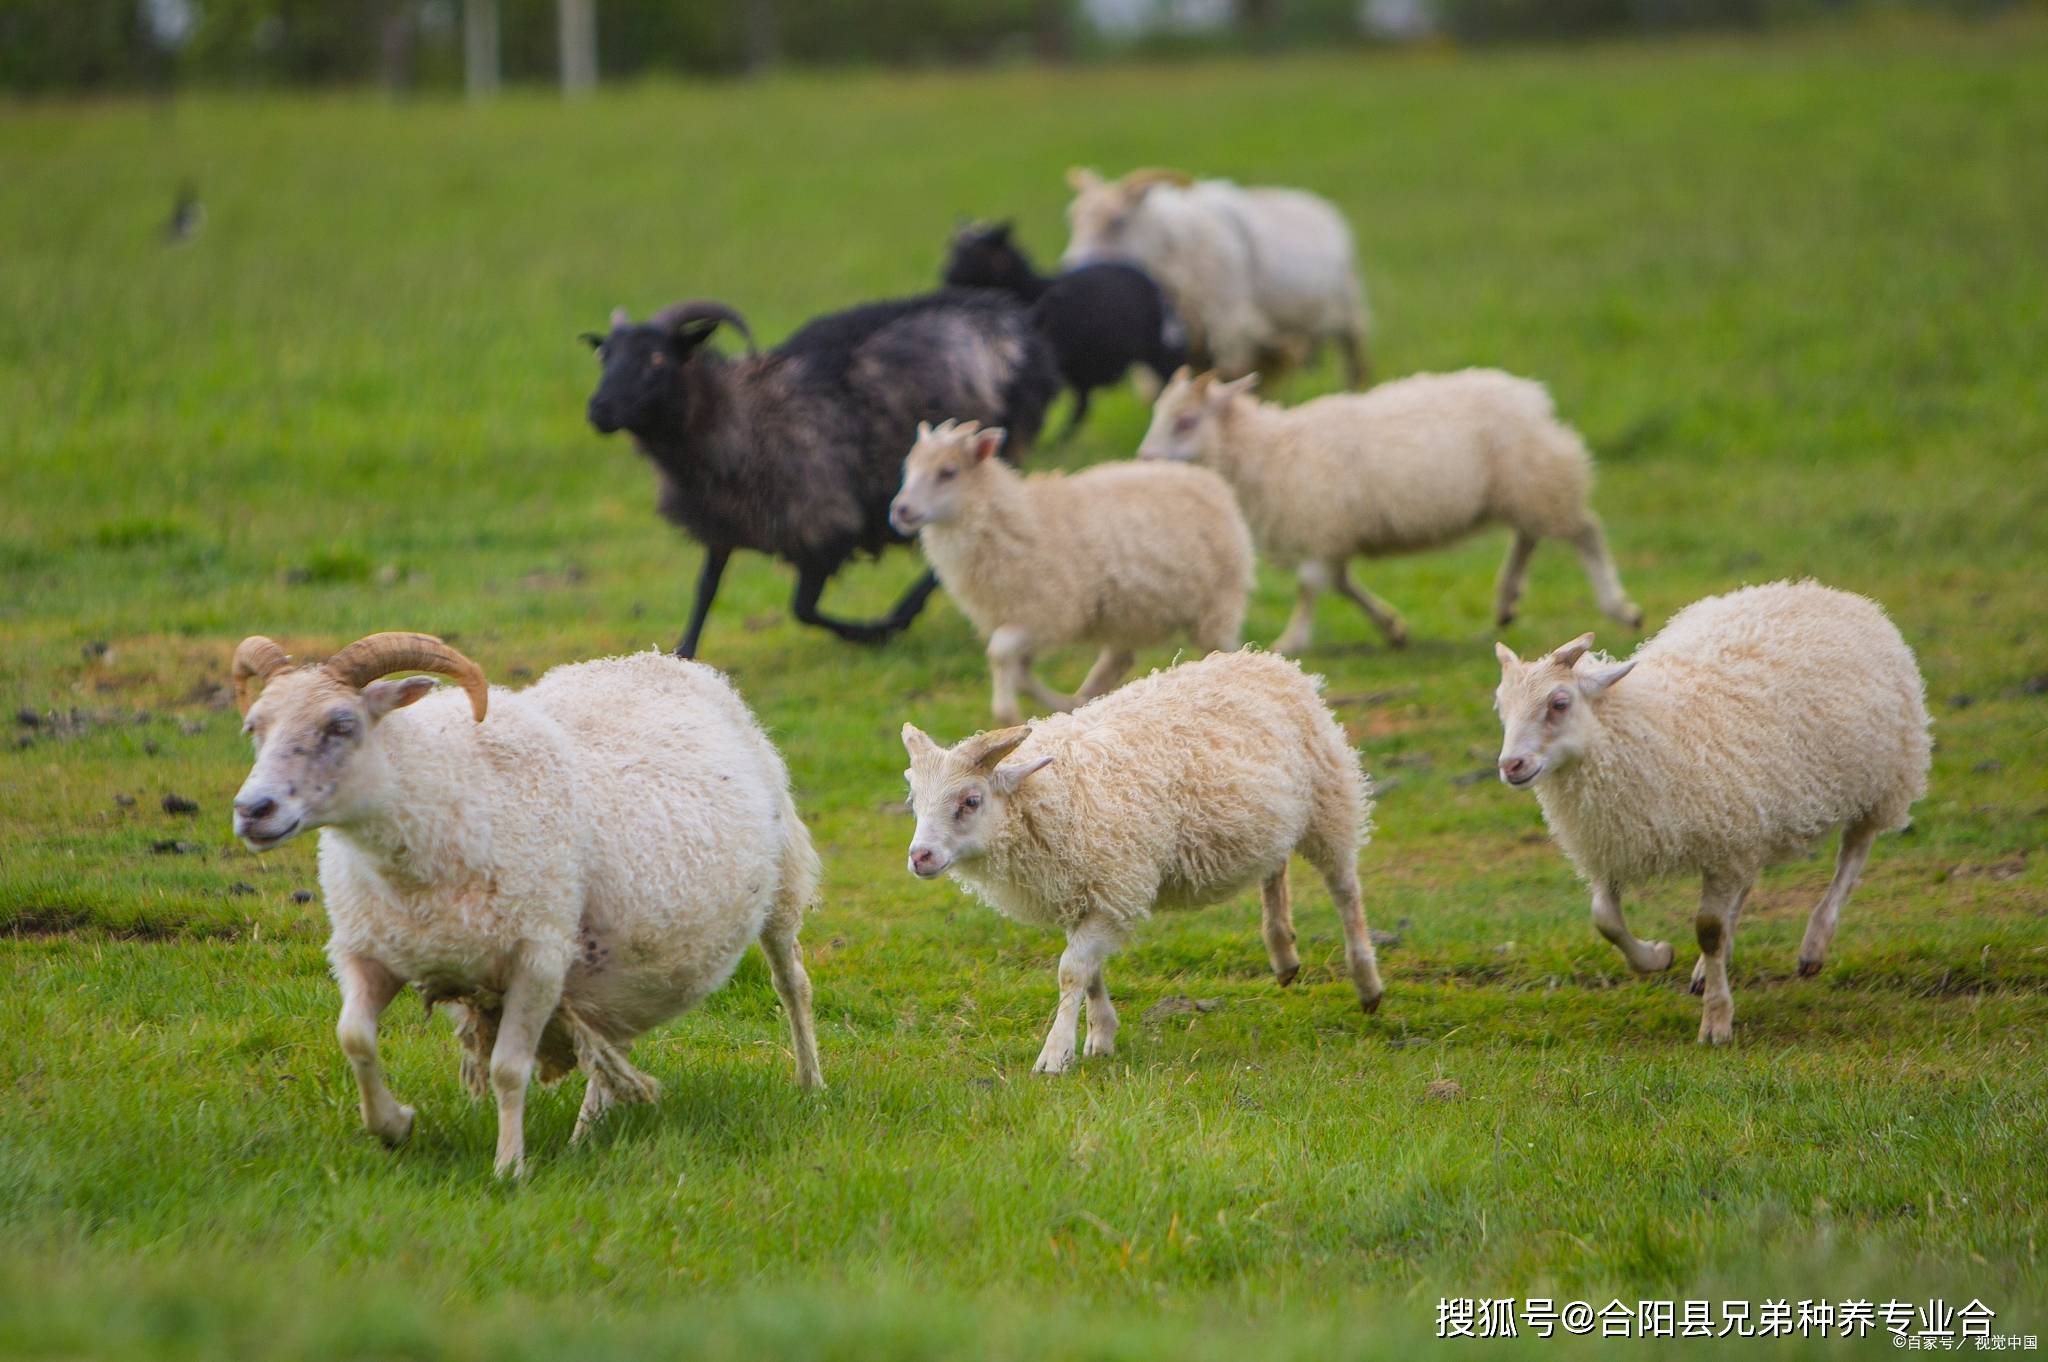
<point x="382" y="654"/>
<point x="1151" y="175"/>
<point x="677" y="315"/>
<point x="256" y="661"/>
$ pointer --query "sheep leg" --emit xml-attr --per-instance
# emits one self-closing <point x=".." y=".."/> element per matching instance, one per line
<point x="793" y="986"/>
<point x="1820" y="928"/>
<point x="1089" y="944"/>
<point x="1009" y="665"/>
<point x="1591" y="542"/>
<point x="1110" y="666"/>
<point x="1101" y="1018"/>
<point x="810" y="584"/>
<point x="912" y="603"/>
<point x="530" y="999"/>
<point x="1279" y="926"/>
<point x="1311" y="579"/>
<point x="1720" y="900"/>
<point x="1384" y="617"/>
<point x="1514" y="574"/>
<point x="1357" y="367"/>
<point x="1341" y="875"/>
<point x="367" y="988"/>
<point x="1075" y="417"/>
<point x="1644" y="957"/>
<point x="1699" y="966"/>
<point x="715" y="557"/>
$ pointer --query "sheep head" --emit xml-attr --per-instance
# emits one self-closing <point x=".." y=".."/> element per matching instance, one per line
<point x="1191" y="415"/>
<point x="1549" y="707"/>
<point x="984" y="256"/>
<point x="639" y="389"/>
<point x="310" y="723"/>
<point x="962" y="794"/>
<point x="941" y="471"/>
<point x="1102" y="212"/>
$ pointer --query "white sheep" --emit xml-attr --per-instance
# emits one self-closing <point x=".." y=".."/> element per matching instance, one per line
<point x="1119" y="556"/>
<point x="1179" y="790"/>
<point x="1750" y="727"/>
<point x="1414" y="464"/>
<point x="1260" y="277"/>
<point x="589" y="863"/>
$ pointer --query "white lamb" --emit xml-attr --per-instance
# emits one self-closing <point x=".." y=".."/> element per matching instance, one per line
<point x="1260" y="277"/>
<point x="1181" y="789"/>
<point x="1120" y="556"/>
<point x="589" y="863"/>
<point x="1750" y="727"/>
<point x="1414" y="464"/>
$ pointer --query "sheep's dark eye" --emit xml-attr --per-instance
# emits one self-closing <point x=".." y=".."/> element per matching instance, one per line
<point x="948" y="474"/>
<point x="969" y="803"/>
<point x="1185" y="425"/>
<point x="1560" y="702"/>
<point x="341" y="726"/>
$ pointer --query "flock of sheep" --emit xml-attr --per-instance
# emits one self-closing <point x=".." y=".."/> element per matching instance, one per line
<point x="568" y="866"/>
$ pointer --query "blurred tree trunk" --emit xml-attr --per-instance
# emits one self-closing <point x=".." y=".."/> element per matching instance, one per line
<point x="762" y="36"/>
<point x="1261" y="18"/>
<point x="480" y="47"/>
<point x="579" y="44"/>
<point x="397" y="44"/>
<point x="1049" y="36"/>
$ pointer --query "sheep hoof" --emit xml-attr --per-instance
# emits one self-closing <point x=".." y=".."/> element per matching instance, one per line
<point x="393" y="1138"/>
<point x="1397" y="637"/>
<point x="1808" y="968"/>
<point x="1698" y="986"/>
<point x="1287" y="976"/>
<point x="1662" y="954"/>
<point x="1504" y="619"/>
<point x="1099" y="1045"/>
<point x="1370" y="1005"/>
<point x="1633" y="617"/>
<point x="1054" y="1064"/>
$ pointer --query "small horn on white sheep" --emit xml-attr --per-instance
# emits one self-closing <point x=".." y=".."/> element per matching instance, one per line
<point x="257" y="659"/>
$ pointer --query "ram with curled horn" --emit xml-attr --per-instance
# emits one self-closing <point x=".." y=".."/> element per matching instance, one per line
<point x="796" y="451"/>
<point x="583" y="867"/>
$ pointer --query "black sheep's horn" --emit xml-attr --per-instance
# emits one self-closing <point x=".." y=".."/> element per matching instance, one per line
<point x="678" y="315"/>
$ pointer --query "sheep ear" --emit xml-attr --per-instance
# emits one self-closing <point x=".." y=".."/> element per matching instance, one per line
<point x="1081" y="178"/>
<point x="1596" y="679"/>
<point x="987" y="442"/>
<point x="984" y="750"/>
<point x="1570" y="653"/>
<point x="1006" y="778"/>
<point x="1509" y="663"/>
<point x="1001" y="231"/>
<point x="592" y="339"/>
<point x="917" y="742"/>
<point x="384" y="696"/>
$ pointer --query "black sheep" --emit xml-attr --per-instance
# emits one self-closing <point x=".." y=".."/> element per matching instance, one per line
<point x="798" y="451"/>
<point x="1101" y="317"/>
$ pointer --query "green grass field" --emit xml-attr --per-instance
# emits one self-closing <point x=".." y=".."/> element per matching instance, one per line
<point x="1794" y="295"/>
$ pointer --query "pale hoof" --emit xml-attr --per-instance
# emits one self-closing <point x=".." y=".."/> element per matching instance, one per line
<point x="1632" y="616"/>
<point x="1054" y="1064"/>
<point x="1661" y="956"/>
<point x="398" y="1135"/>
<point x="1288" y="975"/>
<point x="1289" y="646"/>
<point x="511" y="1170"/>
<point x="1099" y="1045"/>
<point x="1397" y="637"/>
<point x="1717" y="1027"/>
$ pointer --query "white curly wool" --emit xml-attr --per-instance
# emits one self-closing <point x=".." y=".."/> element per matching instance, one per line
<point x="1754" y="724"/>
<point x="1414" y="464"/>
<point x="1181" y="789"/>
<point x="588" y="862"/>
<point x="1119" y="556"/>
<point x="1260" y="276"/>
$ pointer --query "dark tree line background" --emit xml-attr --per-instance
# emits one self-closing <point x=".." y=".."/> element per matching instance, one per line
<point x="49" y="45"/>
